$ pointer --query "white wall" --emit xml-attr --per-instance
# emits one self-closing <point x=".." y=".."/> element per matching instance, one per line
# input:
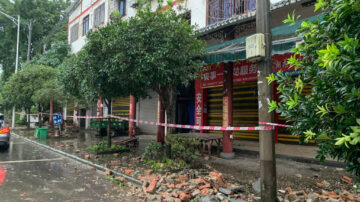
<point x="85" y="8"/>
<point x="146" y="110"/>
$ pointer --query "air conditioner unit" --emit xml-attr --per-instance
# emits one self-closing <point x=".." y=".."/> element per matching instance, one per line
<point x="255" y="47"/>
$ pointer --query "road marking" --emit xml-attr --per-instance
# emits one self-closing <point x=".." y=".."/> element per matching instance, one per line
<point x="35" y="160"/>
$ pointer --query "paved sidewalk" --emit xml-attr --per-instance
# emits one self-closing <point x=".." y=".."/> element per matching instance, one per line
<point x="297" y="152"/>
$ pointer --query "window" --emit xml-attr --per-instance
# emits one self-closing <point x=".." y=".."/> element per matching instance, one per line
<point x="85" y="25"/>
<point x="222" y="9"/>
<point x="122" y="7"/>
<point x="74" y="32"/>
<point x="99" y="15"/>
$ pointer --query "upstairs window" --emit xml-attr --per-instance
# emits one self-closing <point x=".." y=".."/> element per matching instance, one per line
<point x="74" y="32"/>
<point x="99" y="15"/>
<point x="122" y="7"/>
<point x="223" y="9"/>
<point x="85" y="25"/>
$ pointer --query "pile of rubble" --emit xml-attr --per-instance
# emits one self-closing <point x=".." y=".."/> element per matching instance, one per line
<point x="188" y="185"/>
<point x="205" y="186"/>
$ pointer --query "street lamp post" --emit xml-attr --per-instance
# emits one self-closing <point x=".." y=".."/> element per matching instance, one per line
<point x="16" y="22"/>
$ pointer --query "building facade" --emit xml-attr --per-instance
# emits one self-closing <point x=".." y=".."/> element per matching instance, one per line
<point x="224" y="24"/>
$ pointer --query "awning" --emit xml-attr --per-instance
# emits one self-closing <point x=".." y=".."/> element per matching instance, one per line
<point x="234" y="50"/>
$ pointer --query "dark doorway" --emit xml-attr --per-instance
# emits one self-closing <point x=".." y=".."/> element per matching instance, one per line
<point x="82" y="121"/>
<point x="185" y="107"/>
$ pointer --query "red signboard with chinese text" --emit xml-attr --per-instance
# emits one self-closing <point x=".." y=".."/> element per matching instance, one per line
<point x="244" y="71"/>
<point x="212" y="76"/>
<point x="279" y="62"/>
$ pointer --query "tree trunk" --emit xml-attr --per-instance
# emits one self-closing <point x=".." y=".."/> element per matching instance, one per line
<point x="168" y="98"/>
<point x="28" y="118"/>
<point x="40" y="115"/>
<point x="108" y="104"/>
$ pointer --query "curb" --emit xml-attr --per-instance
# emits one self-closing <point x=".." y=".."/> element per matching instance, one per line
<point x="295" y="158"/>
<point x="76" y="158"/>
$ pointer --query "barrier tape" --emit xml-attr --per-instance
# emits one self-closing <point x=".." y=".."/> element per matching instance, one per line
<point x="32" y="114"/>
<point x="268" y="126"/>
<point x="274" y="124"/>
<point x="221" y="128"/>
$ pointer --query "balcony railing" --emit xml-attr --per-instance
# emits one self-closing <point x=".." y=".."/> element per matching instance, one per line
<point x="223" y="9"/>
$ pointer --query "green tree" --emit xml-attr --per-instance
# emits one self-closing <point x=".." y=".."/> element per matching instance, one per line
<point x="43" y="13"/>
<point x="31" y="86"/>
<point x="152" y="50"/>
<point x="330" y="63"/>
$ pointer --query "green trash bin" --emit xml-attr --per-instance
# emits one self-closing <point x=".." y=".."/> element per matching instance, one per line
<point x="36" y="132"/>
<point x="43" y="133"/>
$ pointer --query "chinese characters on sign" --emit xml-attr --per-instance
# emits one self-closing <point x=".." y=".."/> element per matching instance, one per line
<point x="244" y="71"/>
<point x="279" y="62"/>
<point x="213" y="75"/>
<point x="198" y="108"/>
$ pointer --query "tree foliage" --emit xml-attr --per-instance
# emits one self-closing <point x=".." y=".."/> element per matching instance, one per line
<point x="330" y="63"/>
<point x="44" y="14"/>
<point x="152" y="50"/>
<point x="31" y="86"/>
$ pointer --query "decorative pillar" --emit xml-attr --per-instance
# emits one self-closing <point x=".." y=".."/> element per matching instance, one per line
<point x="99" y="107"/>
<point x="160" y="135"/>
<point x="227" y="152"/>
<point x="132" y="115"/>
<point x="51" y="121"/>
<point x="200" y="105"/>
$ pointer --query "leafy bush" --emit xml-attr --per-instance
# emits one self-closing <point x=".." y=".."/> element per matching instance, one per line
<point x="102" y="148"/>
<point x="166" y="164"/>
<point x="330" y="63"/>
<point x="154" y="150"/>
<point x="181" y="149"/>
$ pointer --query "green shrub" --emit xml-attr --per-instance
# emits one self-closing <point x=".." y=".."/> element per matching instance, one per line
<point x="103" y="148"/>
<point x="330" y="56"/>
<point x="181" y="150"/>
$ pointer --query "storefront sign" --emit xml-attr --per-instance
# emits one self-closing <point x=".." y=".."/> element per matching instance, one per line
<point x="213" y="75"/>
<point x="279" y="62"/>
<point x="244" y="71"/>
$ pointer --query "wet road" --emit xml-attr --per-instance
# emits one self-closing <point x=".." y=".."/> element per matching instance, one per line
<point x="31" y="173"/>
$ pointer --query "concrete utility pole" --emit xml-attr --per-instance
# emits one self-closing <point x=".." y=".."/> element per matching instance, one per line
<point x="265" y="94"/>
<point x="16" y="22"/>
<point x="28" y="56"/>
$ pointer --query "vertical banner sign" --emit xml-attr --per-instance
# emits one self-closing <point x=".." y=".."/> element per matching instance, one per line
<point x="244" y="71"/>
<point x="213" y="75"/>
<point x="200" y="104"/>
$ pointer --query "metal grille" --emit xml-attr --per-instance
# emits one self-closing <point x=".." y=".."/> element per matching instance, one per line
<point x="222" y="9"/>
<point x="99" y="15"/>
<point x="74" y="32"/>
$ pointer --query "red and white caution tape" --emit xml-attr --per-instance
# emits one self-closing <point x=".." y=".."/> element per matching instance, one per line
<point x="274" y="124"/>
<point x="229" y="128"/>
<point x="88" y="117"/>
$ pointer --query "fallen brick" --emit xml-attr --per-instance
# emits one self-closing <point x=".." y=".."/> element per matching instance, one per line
<point x="318" y="184"/>
<point x="128" y="171"/>
<point x="148" y="172"/>
<point x="205" y="192"/>
<point x="152" y="186"/>
<point x="184" y="196"/>
<point x="183" y="178"/>
<point x="347" y="179"/>
<point x="171" y="186"/>
<point x="108" y="172"/>
<point x="207" y="185"/>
